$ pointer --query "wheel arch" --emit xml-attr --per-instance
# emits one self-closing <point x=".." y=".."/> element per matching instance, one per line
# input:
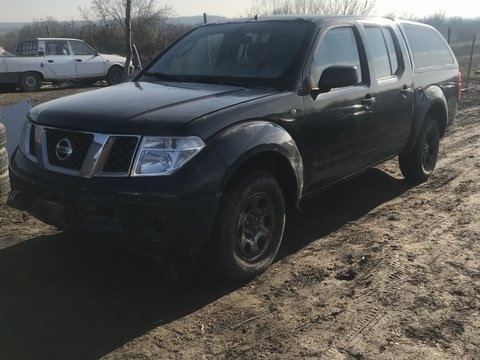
<point x="265" y="146"/>
<point x="430" y="102"/>
<point x="42" y="76"/>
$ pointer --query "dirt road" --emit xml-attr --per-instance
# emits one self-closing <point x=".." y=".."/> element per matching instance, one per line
<point x="371" y="269"/>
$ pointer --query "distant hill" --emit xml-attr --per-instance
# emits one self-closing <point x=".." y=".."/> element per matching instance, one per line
<point x="186" y="20"/>
<point x="8" y="27"/>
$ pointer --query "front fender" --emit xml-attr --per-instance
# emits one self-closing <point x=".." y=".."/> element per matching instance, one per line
<point x="241" y="142"/>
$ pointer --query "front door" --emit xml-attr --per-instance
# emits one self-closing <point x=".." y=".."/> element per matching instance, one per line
<point x="334" y="123"/>
<point x="59" y="60"/>
<point x="87" y="61"/>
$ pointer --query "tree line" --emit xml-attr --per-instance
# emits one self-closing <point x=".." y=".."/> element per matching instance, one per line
<point x="102" y="24"/>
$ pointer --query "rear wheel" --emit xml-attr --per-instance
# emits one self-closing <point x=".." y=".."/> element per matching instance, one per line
<point x="30" y="81"/>
<point x="115" y="75"/>
<point x="418" y="165"/>
<point x="249" y="228"/>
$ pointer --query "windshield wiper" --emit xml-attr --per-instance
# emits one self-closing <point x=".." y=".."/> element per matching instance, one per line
<point x="163" y="76"/>
<point x="216" y="80"/>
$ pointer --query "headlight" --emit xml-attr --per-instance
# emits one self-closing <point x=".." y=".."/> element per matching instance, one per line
<point x="24" y="142"/>
<point x="164" y="155"/>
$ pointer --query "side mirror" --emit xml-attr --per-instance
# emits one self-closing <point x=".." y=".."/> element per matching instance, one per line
<point x="337" y="76"/>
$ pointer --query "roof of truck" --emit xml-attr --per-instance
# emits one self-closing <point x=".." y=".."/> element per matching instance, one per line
<point x="55" y="39"/>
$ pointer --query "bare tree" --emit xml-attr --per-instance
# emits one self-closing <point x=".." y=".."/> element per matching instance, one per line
<point x="128" y="35"/>
<point x="107" y="17"/>
<point x="314" y="7"/>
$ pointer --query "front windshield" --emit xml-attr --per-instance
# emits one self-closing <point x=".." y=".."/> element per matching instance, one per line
<point x="258" y="54"/>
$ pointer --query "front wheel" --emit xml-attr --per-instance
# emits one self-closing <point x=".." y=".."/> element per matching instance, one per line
<point x="249" y="228"/>
<point x="418" y="165"/>
<point x="115" y="75"/>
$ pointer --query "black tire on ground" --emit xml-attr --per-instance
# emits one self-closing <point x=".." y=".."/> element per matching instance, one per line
<point x="418" y="165"/>
<point x="248" y="229"/>
<point x="30" y="81"/>
<point x="115" y="75"/>
<point x="4" y="187"/>
<point x="3" y="160"/>
<point x="3" y="136"/>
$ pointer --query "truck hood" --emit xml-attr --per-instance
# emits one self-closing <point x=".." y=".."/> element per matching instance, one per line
<point x="141" y="107"/>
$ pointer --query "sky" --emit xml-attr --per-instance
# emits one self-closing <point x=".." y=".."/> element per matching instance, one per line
<point x="28" y="10"/>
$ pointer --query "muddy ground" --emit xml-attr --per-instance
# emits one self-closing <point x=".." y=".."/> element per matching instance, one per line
<point x="373" y="269"/>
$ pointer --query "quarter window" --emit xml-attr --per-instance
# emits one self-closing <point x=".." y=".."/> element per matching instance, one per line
<point x="428" y="47"/>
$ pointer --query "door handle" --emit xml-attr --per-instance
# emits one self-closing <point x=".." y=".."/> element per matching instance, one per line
<point x="405" y="90"/>
<point x="368" y="101"/>
<point x="79" y="60"/>
<point x="50" y="61"/>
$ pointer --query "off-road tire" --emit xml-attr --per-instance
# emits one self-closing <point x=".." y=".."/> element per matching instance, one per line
<point x="3" y="160"/>
<point x="419" y="163"/>
<point x="4" y="187"/>
<point x="30" y="82"/>
<point x="114" y="75"/>
<point x="248" y="228"/>
<point x="3" y="136"/>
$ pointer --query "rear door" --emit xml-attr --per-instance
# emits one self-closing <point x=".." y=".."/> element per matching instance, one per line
<point x="87" y="61"/>
<point x="59" y="60"/>
<point x="392" y="88"/>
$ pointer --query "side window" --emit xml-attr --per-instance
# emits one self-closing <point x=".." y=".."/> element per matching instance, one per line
<point x="428" y="47"/>
<point x="56" y="48"/>
<point x="382" y="50"/>
<point x="80" y="48"/>
<point x="338" y="47"/>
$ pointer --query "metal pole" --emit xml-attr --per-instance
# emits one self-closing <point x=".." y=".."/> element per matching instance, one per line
<point x="204" y="18"/>
<point x="471" y="59"/>
<point x="449" y="35"/>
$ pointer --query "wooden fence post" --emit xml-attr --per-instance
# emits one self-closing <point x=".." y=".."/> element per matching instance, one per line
<point x="471" y="59"/>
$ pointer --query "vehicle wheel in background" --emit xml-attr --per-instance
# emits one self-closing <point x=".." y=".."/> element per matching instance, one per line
<point x="30" y="81"/>
<point x="249" y="228"/>
<point x="418" y="165"/>
<point x="115" y="75"/>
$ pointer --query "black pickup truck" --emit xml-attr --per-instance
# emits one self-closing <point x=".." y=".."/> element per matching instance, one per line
<point x="220" y="137"/>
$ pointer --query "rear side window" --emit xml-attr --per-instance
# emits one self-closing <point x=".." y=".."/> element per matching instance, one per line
<point x="382" y="50"/>
<point x="27" y="48"/>
<point x="338" y="47"/>
<point x="56" y="47"/>
<point x="428" y="47"/>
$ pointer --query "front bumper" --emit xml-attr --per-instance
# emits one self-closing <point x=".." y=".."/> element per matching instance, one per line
<point x="135" y="206"/>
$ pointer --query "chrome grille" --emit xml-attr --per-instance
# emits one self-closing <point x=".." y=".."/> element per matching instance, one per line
<point x="80" y="144"/>
<point x="92" y="154"/>
<point x="121" y="155"/>
<point x="31" y="141"/>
